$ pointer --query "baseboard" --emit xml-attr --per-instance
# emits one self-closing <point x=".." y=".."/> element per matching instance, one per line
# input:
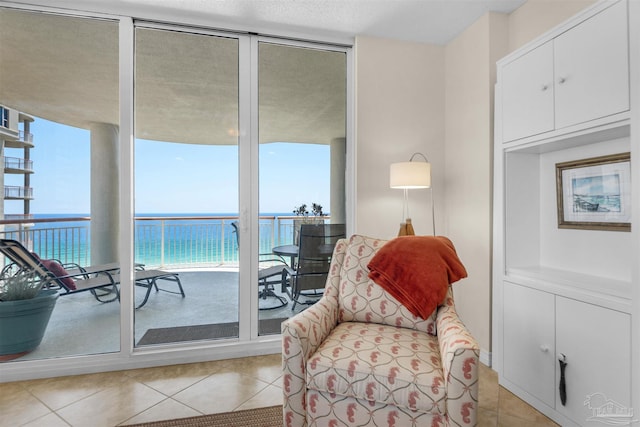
<point x="485" y="357"/>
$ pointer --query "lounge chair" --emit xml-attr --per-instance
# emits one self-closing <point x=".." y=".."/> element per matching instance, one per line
<point x="100" y="280"/>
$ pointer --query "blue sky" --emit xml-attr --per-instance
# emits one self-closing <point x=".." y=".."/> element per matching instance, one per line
<point x="170" y="177"/>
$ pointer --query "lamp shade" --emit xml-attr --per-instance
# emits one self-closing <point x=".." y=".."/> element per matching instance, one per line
<point x="410" y="175"/>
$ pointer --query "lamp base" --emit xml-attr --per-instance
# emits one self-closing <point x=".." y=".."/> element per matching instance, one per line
<point x="406" y="228"/>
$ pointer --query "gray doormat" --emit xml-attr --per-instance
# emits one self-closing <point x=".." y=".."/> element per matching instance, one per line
<point x="205" y="332"/>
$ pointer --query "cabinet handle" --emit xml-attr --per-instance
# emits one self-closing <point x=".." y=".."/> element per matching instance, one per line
<point x="562" y="360"/>
<point x="545" y="87"/>
<point x="562" y="80"/>
<point x="544" y="348"/>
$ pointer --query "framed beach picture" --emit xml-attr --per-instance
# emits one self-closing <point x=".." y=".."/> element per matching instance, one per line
<point x="595" y="193"/>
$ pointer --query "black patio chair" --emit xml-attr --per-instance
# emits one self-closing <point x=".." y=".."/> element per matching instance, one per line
<point x="269" y="275"/>
<point x="307" y="279"/>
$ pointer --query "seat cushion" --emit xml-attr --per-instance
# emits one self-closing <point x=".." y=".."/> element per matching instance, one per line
<point x="58" y="270"/>
<point x="380" y="363"/>
<point x="362" y="300"/>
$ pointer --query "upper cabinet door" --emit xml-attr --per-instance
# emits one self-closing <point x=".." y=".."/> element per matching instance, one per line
<point x="592" y="68"/>
<point x="527" y="94"/>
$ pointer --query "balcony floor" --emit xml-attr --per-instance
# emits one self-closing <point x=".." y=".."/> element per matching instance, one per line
<point x="81" y="325"/>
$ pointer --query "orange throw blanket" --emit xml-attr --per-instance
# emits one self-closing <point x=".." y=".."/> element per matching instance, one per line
<point x="417" y="271"/>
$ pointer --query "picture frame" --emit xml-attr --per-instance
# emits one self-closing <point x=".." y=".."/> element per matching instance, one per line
<point x="595" y="193"/>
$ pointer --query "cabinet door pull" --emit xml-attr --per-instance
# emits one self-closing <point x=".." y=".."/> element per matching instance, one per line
<point x="562" y="359"/>
<point x="545" y="87"/>
<point x="562" y="80"/>
<point x="544" y="348"/>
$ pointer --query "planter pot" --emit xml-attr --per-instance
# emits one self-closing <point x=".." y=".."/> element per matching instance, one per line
<point x="23" y="323"/>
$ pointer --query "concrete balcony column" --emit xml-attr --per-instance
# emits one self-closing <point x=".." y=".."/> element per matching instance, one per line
<point x="337" y="188"/>
<point x="104" y="193"/>
<point x="27" y="176"/>
<point x="2" y="181"/>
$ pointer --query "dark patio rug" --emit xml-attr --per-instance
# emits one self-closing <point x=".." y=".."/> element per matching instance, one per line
<point x="205" y="332"/>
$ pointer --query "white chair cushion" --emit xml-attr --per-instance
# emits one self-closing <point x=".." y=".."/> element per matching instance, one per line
<point x="380" y="363"/>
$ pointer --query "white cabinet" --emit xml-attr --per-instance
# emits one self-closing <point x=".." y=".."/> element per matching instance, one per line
<point x="541" y="327"/>
<point x="592" y="68"/>
<point x="529" y="353"/>
<point x="566" y="292"/>
<point x="527" y="97"/>
<point x="596" y="343"/>
<point x="580" y="75"/>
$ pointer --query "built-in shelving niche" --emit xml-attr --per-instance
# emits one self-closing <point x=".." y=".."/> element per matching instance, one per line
<point x="590" y="265"/>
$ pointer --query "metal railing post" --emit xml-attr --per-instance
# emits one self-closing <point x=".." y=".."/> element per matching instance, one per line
<point x="273" y="232"/>
<point x="223" y="249"/>
<point x="162" y="242"/>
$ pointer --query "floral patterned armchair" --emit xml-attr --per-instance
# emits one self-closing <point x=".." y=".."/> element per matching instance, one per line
<point x="358" y="357"/>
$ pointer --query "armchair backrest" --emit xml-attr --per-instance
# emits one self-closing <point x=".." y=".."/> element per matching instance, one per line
<point x="360" y="299"/>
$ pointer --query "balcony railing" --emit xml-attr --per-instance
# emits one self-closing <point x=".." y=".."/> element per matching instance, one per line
<point x="26" y="137"/>
<point x="13" y="192"/>
<point x="177" y="242"/>
<point x="17" y="163"/>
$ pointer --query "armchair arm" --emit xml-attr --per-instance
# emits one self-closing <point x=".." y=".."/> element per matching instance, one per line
<point x="302" y="334"/>
<point x="460" y="358"/>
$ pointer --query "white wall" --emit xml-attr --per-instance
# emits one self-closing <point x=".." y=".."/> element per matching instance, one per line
<point x="399" y="111"/>
<point x="535" y="17"/>
<point x="470" y="78"/>
<point x="439" y="100"/>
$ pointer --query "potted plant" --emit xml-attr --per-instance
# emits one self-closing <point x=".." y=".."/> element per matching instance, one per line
<point x="301" y="211"/>
<point x="25" y="310"/>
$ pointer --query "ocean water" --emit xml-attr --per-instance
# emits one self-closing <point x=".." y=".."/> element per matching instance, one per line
<point x="188" y="241"/>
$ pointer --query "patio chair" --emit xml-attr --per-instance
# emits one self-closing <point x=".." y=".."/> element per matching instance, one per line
<point x="308" y="277"/>
<point x="266" y="275"/>
<point x="101" y="281"/>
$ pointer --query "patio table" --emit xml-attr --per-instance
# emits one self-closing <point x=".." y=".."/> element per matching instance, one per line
<point x="290" y="251"/>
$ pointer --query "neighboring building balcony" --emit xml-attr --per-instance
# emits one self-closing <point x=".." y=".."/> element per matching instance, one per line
<point x="13" y="192"/>
<point x="23" y="219"/>
<point x="17" y="165"/>
<point x="18" y="217"/>
<point x="9" y="135"/>
<point x="24" y="139"/>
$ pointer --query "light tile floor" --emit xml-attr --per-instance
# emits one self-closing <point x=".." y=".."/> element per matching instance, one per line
<point x="142" y="395"/>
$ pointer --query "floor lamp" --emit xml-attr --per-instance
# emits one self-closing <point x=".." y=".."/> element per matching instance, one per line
<point x="411" y="175"/>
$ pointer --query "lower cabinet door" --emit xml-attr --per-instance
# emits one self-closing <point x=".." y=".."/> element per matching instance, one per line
<point x="595" y="342"/>
<point x="529" y="340"/>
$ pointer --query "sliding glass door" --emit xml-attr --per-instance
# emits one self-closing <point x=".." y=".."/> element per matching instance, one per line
<point x="187" y="168"/>
<point x="193" y="155"/>
<point x="186" y="187"/>
<point x="302" y="128"/>
<point x="59" y="97"/>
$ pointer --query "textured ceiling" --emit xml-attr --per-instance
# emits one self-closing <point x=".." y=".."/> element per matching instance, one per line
<point x="65" y="69"/>
<point x="430" y="21"/>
